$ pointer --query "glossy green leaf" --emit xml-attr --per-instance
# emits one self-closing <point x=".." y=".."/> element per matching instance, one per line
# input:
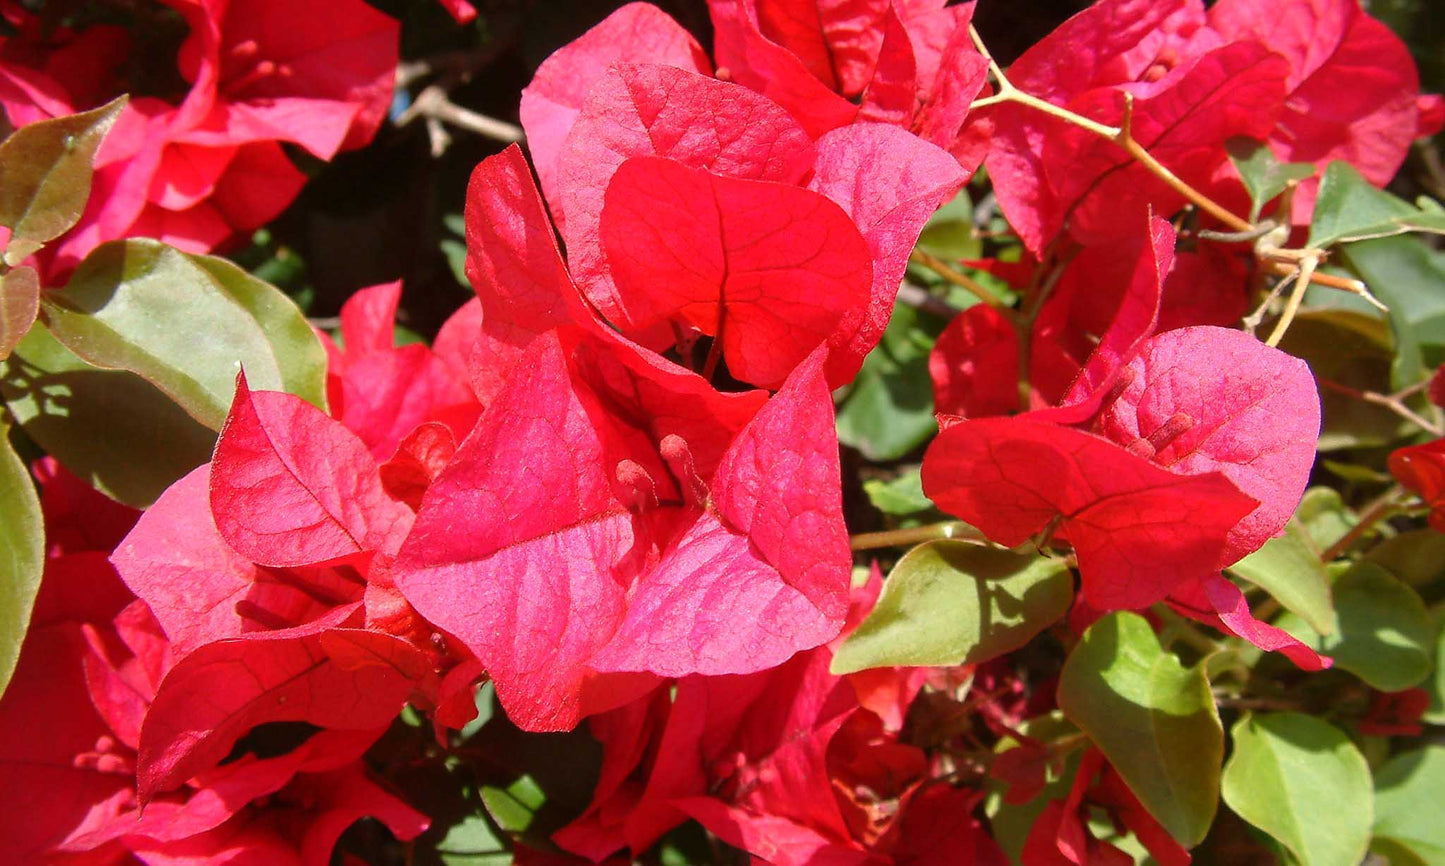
<point x="1355" y="350"/>
<point x="22" y="554"/>
<point x="62" y="402"/>
<point x="1409" y="794"/>
<point x="45" y="173"/>
<point x="1324" y="516"/>
<point x="1154" y="719"/>
<point x="888" y="412"/>
<point x="1288" y="567"/>
<point x="186" y="324"/>
<point x="950" y="602"/>
<point x="1435" y="713"/>
<point x="949" y="232"/>
<point x="1351" y="208"/>
<point x="473" y="841"/>
<point x="301" y="355"/>
<point x="514" y="806"/>
<point x="1408" y="277"/>
<point x="1303" y="782"/>
<point x="1264" y="175"/>
<point x="903" y="495"/>
<point x="1383" y="634"/>
<point x="19" y="303"/>
<point x="1416" y="557"/>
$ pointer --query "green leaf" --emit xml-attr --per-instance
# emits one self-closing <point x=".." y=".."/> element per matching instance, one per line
<point x="950" y="602"/>
<point x="472" y="841"/>
<point x="1355" y="350"/>
<point x="889" y="410"/>
<point x="1264" y="176"/>
<point x="1289" y="568"/>
<point x="301" y="356"/>
<point x="1409" y="277"/>
<point x="1154" y="719"/>
<point x="62" y="402"/>
<point x="1350" y="208"/>
<point x="45" y="173"/>
<point x="22" y="554"/>
<point x="1416" y="557"/>
<point x="949" y="233"/>
<point x="1409" y="791"/>
<point x="514" y="806"/>
<point x="1383" y="634"/>
<point x="903" y="495"/>
<point x="1323" y="514"/>
<point x="1304" y="783"/>
<point x="19" y="303"/>
<point x="186" y="324"/>
<point x="1435" y="714"/>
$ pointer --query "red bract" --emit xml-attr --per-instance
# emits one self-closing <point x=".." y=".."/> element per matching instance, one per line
<point x="383" y="392"/>
<point x="1011" y="477"/>
<point x="1253" y="416"/>
<point x="1421" y="468"/>
<point x="323" y="673"/>
<point x="194" y="173"/>
<point x="520" y="279"/>
<point x="591" y="536"/>
<point x="769" y="270"/>
<point x="1226" y="450"/>
<point x="651" y="110"/>
<point x="635" y="33"/>
<point x="1091" y="326"/>
<point x="1333" y="110"/>
<point x="1061" y="835"/>
<point x="258" y="566"/>
<point x="783" y="763"/>
<point x="831" y="64"/>
<point x="1285" y="73"/>
<point x="1217" y="602"/>
<point x="886" y="181"/>
<point x="89" y="672"/>
<point x="291" y="487"/>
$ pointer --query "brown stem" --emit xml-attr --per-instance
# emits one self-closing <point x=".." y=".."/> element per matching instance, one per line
<point x="1383" y="506"/>
<point x="914" y="535"/>
<point x="1394" y="402"/>
<point x="962" y="280"/>
<point x="1121" y="135"/>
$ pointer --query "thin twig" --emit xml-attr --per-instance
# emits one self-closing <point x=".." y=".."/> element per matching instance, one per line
<point x="1121" y="135"/>
<point x="1394" y="402"/>
<point x="1354" y="287"/>
<point x="1383" y="506"/>
<point x="1252" y="321"/>
<point x="433" y="102"/>
<point x="962" y="280"/>
<point x="915" y="535"/>
<point x="922" y="299"/>
<point x="1296" y="297"/>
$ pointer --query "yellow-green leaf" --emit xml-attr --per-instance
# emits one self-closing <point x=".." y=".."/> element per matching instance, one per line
<point x="1303" y="782"/>
<point x="950" y="602"/>
<point x="1153" y="718"/>
<point x="45" y="173"/>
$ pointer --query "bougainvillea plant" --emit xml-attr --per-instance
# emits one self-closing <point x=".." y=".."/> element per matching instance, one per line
<point x="816" y="432"/>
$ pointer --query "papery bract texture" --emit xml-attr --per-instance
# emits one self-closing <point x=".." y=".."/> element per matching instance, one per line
<point x="290" y="486"/>
<point x="1011" y="476"/>
<point x="650" y="110"/>
<point x="635" y="33"/>
<point x="1253" y="411"/>
<point x="772" y="271"/>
